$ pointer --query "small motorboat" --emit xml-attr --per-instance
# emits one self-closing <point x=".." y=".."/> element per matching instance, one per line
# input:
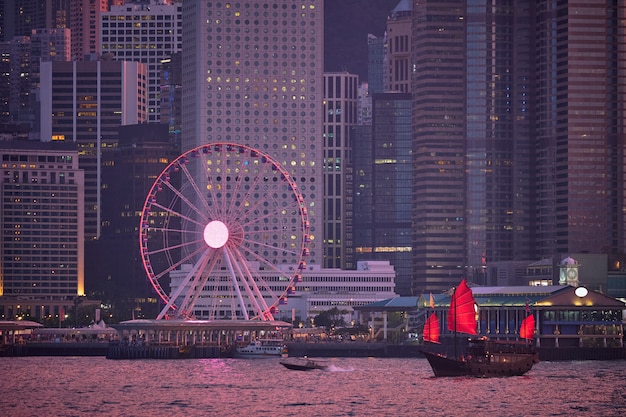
<point x="303" y="364"/>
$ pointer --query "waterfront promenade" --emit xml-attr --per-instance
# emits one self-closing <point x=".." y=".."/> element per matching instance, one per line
<point x="115" y="350"/>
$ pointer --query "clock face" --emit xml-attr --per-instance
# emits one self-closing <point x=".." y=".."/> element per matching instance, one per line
<point x="572" y="273"/>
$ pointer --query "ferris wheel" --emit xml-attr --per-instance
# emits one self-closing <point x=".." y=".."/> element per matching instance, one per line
<point x="224" y="230"/>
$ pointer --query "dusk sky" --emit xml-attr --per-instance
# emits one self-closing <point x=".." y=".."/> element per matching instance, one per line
<point x="347" y="24"/>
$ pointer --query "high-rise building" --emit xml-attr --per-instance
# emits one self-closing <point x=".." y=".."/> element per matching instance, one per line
<point x="146" y="32"/>
<point x="41" y="219"/>
<point x="397" y="62"/>
<point x="253" y="74"/>
<point x="376" y="63"/>
<point x="472" y="79"/>
<point x="383" y="179"/>
<point x="128" y="172"/>
<point x="20" y="17"/>
<point x="84" y="18"/>
<point x="340" y="115"/>
<point x="85" y="102"/>
<point x="580" y="138"/>
<point x="171" y="96"/>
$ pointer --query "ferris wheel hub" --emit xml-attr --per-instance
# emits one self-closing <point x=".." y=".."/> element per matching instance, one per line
<point x="215" y="234"/>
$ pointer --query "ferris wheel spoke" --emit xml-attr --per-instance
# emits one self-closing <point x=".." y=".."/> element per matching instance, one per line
<point x="276" y="248"/>
<point x="178" y="214"/>
<point x="255" y="278"/>
<point x="254" y="187"/>
<point x="181" y="287"/>
<point x="175" y="265"/>
<point x="252" y="255"/>
<point x="184" y="199"/>
<point x="168" y="249"/>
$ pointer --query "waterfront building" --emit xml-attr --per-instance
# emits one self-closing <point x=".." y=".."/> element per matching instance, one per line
<point x="146" y="32"/>
<point x="340" y="115"/>
<point x="253" y="74"/>
<point x="382" y="196"/>
<point x="567" y="318"/>
<point x="321" y="289"/>
<point x="85" y="102"/>
<point x="42" y="227"/>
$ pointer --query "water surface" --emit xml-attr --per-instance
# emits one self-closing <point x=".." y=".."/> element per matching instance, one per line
<point x="77" y="386"/>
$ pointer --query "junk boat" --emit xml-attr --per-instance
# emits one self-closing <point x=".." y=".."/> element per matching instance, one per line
<point x="482" y="357"/>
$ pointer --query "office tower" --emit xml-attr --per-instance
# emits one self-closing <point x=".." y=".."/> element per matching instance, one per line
<point x="84" y="19"/>
<point x="472" y="79"/>
<point x="128" y="171"/>
<point x="340" y="115"/>
<point x="376" y="63"/>
<point x="41" y="219"/>
<point x="19" y="81"/>
<point x="581" y="78"/>
<point x="85" y="102"/>
<point x="383" y="180"/>
<point x="146" y="32"/>
<point x="20" y="17"/>
<point x="5" y="82"/>
<point x="171" y="96"/>
<point x="253" y="74"/>
<point x="398" y="49"/>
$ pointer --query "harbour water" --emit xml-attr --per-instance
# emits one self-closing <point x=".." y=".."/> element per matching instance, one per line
<point x="92" y="386"/>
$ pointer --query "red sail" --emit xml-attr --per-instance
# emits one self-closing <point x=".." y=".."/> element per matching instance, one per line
<point x="527" y="329"/>
<point x="431" y="329"/>
<point x="462" y="315"/>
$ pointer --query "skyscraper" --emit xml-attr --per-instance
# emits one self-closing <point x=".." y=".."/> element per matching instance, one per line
<point x="472" y="79"/>
<point x="146" y="32"/>
<point x="518" y="134"/>
<point x="340" y="115"/>
<point x="581" y="82"/>
<point x="83" y="22"/>
<point x="86" y="102"/>
<point x="398" y="48"/>
<point x="382" y="200"/>
<point x="253" y="74"/>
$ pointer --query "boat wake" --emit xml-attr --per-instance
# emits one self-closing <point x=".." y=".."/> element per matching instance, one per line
<point x="334" y="368"/>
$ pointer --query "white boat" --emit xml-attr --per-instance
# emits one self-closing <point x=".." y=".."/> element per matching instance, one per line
<point x="262" y="348"/>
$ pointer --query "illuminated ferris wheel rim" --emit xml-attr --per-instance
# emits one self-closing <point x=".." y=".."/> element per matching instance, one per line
<point x="225" y="233"/>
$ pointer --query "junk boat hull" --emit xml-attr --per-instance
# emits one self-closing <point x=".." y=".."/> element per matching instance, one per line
<point x="485" y="358"/>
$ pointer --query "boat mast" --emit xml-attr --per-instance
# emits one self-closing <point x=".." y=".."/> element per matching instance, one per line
<point x="455" y="319"/>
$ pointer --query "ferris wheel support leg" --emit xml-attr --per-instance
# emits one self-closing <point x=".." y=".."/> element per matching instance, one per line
<point x="244" y="310"/>
<point x="179" y="290"/>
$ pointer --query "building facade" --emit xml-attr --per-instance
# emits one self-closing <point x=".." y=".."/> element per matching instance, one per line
<point x="382" y="196"/>
<point x="340" y="115"/>
<point x="472" y="121"/>
<point x="42" y="223"/>
<point x="320" y="289"/>
<point x="146" y="32"/>
<point x="85" y="102"/>
<point x="580" y="127"/>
